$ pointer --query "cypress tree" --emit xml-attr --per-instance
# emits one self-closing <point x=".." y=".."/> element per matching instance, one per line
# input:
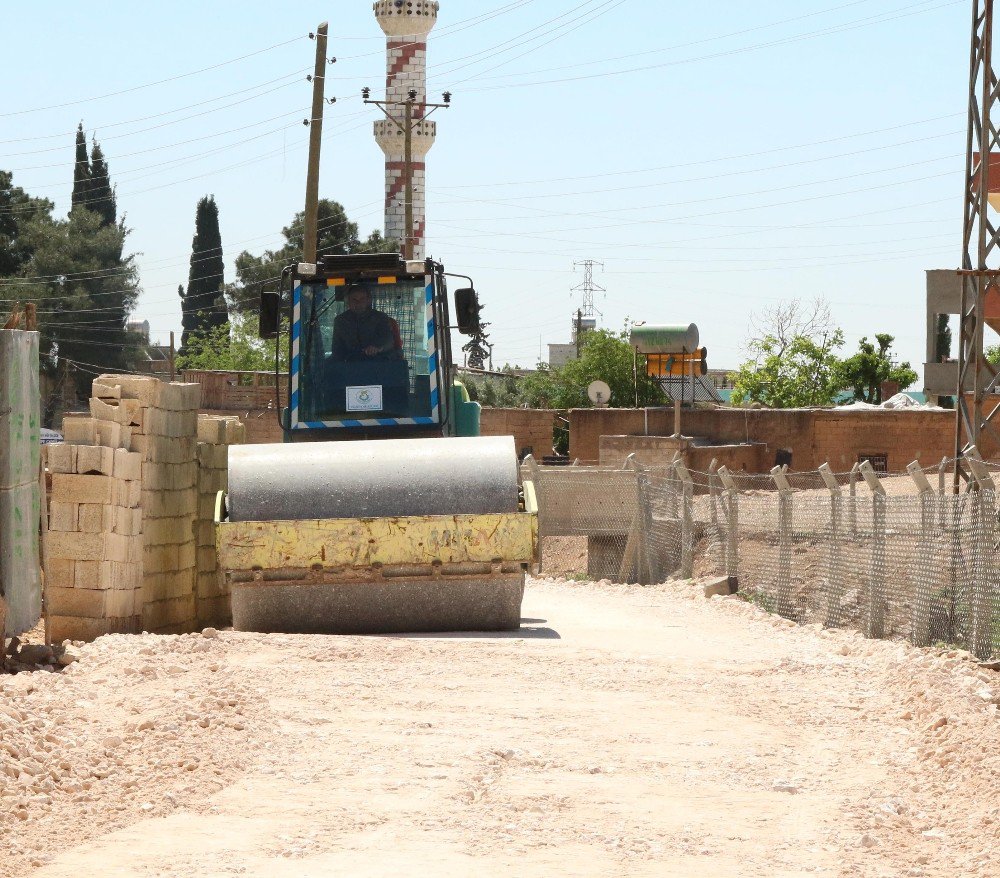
<point x="81" y="171"/>
<point x="98" y="277"/>
<point x="943" y="338"/>
<point x="203" y="306"/>
<point x="101" y="198"/>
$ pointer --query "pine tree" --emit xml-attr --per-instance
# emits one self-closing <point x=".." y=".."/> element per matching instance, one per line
<point x="101" y="196"/>
<point x="81" y="171"/>
<point x="203" y="306"/>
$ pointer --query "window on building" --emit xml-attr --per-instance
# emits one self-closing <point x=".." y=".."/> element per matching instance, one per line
<point x="879" y="462"/>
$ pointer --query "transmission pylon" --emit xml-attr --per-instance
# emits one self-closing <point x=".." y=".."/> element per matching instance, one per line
<point x="588" y="287"/>
<point x="981" y="243"/>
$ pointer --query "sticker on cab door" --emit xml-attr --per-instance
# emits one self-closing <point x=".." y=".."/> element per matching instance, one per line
<point x="365" y="399"/>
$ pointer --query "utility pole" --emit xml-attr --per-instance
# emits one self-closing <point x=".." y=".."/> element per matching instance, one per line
<point x="310" y="242"/>
<point x="172" y="374"/>
<point x="578" y="332"/>
<point x="406" y="129"/>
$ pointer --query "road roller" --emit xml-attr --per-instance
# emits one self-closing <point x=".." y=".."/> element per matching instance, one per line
<point x="383" y="510"/>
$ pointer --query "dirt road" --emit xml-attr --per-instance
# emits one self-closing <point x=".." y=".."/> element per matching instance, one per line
<point x="622" y="731"/>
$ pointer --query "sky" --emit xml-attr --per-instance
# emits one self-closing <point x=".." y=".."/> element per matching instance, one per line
<point x="714" y="159"/>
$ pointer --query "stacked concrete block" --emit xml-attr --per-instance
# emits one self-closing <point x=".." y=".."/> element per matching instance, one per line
<point x="215" y="435"/>
<point x="163" y="420"/>
<point x="94" y="543"/>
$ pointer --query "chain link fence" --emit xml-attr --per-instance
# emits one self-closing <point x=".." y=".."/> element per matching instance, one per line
<point x="894" y="556"/>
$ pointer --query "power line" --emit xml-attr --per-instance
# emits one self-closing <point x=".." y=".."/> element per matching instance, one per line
<point x="866" y="22"/>
<point x="101" y="127"/>
<point x="690" y="43"/>
<point x="144" y="85"/>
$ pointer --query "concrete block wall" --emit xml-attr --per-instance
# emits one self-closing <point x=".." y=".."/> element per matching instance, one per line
<point x="659" y="451"/>
<point x="531" y="428"/>
<point x="813" y="436"/>
<point x="215" y="435"/>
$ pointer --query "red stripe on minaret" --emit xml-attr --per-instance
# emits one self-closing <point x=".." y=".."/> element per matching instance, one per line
<point x="399" y="184"/>
<point x="408" y="52"/>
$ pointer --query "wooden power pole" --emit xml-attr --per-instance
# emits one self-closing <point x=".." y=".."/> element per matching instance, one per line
<point x="310" y="243"/>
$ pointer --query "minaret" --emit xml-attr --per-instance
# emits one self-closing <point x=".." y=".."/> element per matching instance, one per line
<point x="406" y="24"/>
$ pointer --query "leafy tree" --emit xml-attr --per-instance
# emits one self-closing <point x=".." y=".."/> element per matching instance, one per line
<point x="81" y="170"/>
<point x="203" y="304"/>
<point x="791" y="357"/>
<point x="84" y="306"/>
<point x="233" y="347"/>
<point x="605" y="355"/>
<point x="864" y="372"/>
<point x="793" y="371"/>
<point x="337" y="235"/>
<point x="17" y="210"/>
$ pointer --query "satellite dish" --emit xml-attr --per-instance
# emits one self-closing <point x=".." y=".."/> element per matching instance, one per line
<point x="599" y="393"/>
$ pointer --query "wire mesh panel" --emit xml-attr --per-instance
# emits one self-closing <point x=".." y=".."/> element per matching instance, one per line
<point x="758" y="541"/>
<point x="598" y="504"/>
<point x="899" y="558"/>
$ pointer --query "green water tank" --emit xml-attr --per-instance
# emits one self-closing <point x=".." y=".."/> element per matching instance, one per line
<point x="664" y="338"/>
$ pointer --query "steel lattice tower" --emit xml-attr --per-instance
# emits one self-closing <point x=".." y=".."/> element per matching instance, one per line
<point x="588" y="287"/>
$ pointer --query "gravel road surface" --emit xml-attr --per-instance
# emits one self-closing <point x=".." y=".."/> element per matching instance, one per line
<point x="623" y="731"/>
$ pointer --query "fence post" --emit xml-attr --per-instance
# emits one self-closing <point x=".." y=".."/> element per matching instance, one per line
<point x="713" y="493"/>
<point x="732" y="510"/>
<point x="984" y="550"/>
<point x="852" y="505"/>
<point x="942" y="480"/>
<point x="784" y="584"/>
<point x="834" y="580"/>
<point x="920" y="622"/>
<point x="672" y="486"/>
<point x="687" y="520"/>
<point x="875" y="626"/>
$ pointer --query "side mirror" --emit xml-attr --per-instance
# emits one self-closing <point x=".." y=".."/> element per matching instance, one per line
<point x="270" y="308"/>
<point x="467" y="311"/>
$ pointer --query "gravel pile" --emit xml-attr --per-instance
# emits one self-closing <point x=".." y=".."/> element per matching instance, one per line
<point x="140" y="725"/>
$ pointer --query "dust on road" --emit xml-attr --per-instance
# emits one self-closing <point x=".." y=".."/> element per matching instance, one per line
<point x="623" y="731"/>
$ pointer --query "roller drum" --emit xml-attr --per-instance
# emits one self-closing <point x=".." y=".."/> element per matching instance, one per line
<point x="372" y="479"/>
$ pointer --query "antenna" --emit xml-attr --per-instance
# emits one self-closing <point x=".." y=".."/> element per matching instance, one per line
<point x="588" y="287"/>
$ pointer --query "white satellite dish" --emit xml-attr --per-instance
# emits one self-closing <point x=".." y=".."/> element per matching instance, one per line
<point x="599" y="393"/>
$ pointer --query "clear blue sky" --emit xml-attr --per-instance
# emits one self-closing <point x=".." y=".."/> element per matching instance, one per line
<point x="717" y="158"/>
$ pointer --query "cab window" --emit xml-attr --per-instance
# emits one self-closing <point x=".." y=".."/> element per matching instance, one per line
<point x="364" y="352"/>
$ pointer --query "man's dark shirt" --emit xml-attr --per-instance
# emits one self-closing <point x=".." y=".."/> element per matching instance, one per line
<point x="353" y="332"/>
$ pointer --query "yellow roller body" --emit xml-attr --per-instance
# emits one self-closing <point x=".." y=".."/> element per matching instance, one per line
<point x="344" y="544"/>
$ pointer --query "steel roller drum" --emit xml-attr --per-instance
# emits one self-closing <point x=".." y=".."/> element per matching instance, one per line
<point x="372" y="479"/>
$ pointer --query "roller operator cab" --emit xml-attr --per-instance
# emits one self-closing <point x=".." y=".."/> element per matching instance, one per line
<point x="370" y="348"/>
